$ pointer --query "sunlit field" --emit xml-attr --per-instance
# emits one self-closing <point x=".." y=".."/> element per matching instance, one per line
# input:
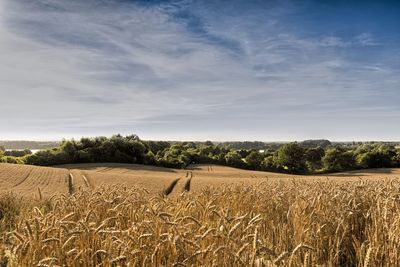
<point x="250" y="219"/>
<point x="183" y="133"/>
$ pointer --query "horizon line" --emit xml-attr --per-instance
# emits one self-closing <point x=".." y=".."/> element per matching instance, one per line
<point x="205" y="140"/>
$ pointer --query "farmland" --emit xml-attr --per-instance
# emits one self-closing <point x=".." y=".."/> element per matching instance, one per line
<point x="121" y="215"/>
<point x="26" y="180"/>
<point x="199" y="133"/>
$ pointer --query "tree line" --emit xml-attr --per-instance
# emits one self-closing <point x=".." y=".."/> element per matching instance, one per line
<point x="293" y="158"/>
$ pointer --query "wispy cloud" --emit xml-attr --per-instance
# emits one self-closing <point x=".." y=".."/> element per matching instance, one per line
<point x="365" y="39"/>
<point x="362" y="39"/>
<point x="99" y="67"/>
<point x="334" y="41"/>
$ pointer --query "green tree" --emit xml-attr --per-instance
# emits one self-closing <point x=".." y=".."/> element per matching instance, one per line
<point x="17" y="153"/>
<point x="375" y="156"/>
<point x="314" y="158"/>
<point x="156" y="146"/>
<point x="150" y="158"/>
<point x="175" y="157"/>
<point x="290" y="157"/>
<point x="396" y="158"/>
<point x="254" y="160"/>
<point x="374" y="159"/>
<point x="84" y="156"/>
<point x="208" y="143"/>
<point x="233" y="159"/>
<point x="244" y="152"/>
<point x="268" y="163"/>
<point x="338" y="159"/>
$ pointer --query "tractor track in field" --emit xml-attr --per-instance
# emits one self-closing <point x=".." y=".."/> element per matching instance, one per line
<point x="24" y="179"/>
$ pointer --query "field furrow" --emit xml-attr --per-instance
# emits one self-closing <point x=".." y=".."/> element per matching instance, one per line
<point x="27" y="179"/>
<point x="24" y="178"/>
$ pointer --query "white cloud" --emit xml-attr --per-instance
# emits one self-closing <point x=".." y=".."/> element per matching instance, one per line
<point x="363" y="39"/>
<point x="130" y="66"/>
<point x="100" y="67"/>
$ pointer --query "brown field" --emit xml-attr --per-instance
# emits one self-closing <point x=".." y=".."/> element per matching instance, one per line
<point x="26" y="180"/>
<point x="114" y="216"/>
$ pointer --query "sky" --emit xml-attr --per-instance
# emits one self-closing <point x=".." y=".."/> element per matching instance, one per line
<point x="200" y="70"/>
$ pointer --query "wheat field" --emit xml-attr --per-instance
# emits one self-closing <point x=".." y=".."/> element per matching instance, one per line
<point x="280" y="220"/>
<point x="25" y="180"/>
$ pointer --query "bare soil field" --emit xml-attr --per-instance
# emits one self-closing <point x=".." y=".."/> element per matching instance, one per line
<point x="26" y="180"/>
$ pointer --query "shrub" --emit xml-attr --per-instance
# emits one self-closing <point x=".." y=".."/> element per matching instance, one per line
<point x="13" y="160"/>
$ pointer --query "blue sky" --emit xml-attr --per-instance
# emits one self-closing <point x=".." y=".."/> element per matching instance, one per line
<point x="200" y="70"/>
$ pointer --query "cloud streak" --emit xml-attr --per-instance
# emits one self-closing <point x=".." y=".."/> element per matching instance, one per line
<point x="177" y="68"/>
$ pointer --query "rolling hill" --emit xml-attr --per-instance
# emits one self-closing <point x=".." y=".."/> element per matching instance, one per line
<point x="25" y="179"/>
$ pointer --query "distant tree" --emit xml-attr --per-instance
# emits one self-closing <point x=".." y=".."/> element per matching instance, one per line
<point x="11" y="159"/>
<point x="246" y="145"/>
<point x="244" y="152"/>
<point x="150" y="158"/>
<point x="290" y="157"/>
<point x="132" y="137"/>
<point x="206" y="150"/>
<point x="69" y="147"/>
<point x="313" y="158"/>
<point x="254" y="160"/>
<point x="2" y="148"/>
<point x="268" y="163"/>
<point x="338" y="159"/>
<point x="315" y="143"/>
<point x="48" y="158"/>
<point x="233" y="159"/>
<point x="220" y="158"/>
<point x="17" y="153"/>
<point x="175" y="156"/>
<point x="156" y="146"/>
<point x="208" y="143"/>
<point x="189" y="145"/>
<point x="396" y="158"/>
<point x="84" y="156"/>
<point x="375" y="156"/>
